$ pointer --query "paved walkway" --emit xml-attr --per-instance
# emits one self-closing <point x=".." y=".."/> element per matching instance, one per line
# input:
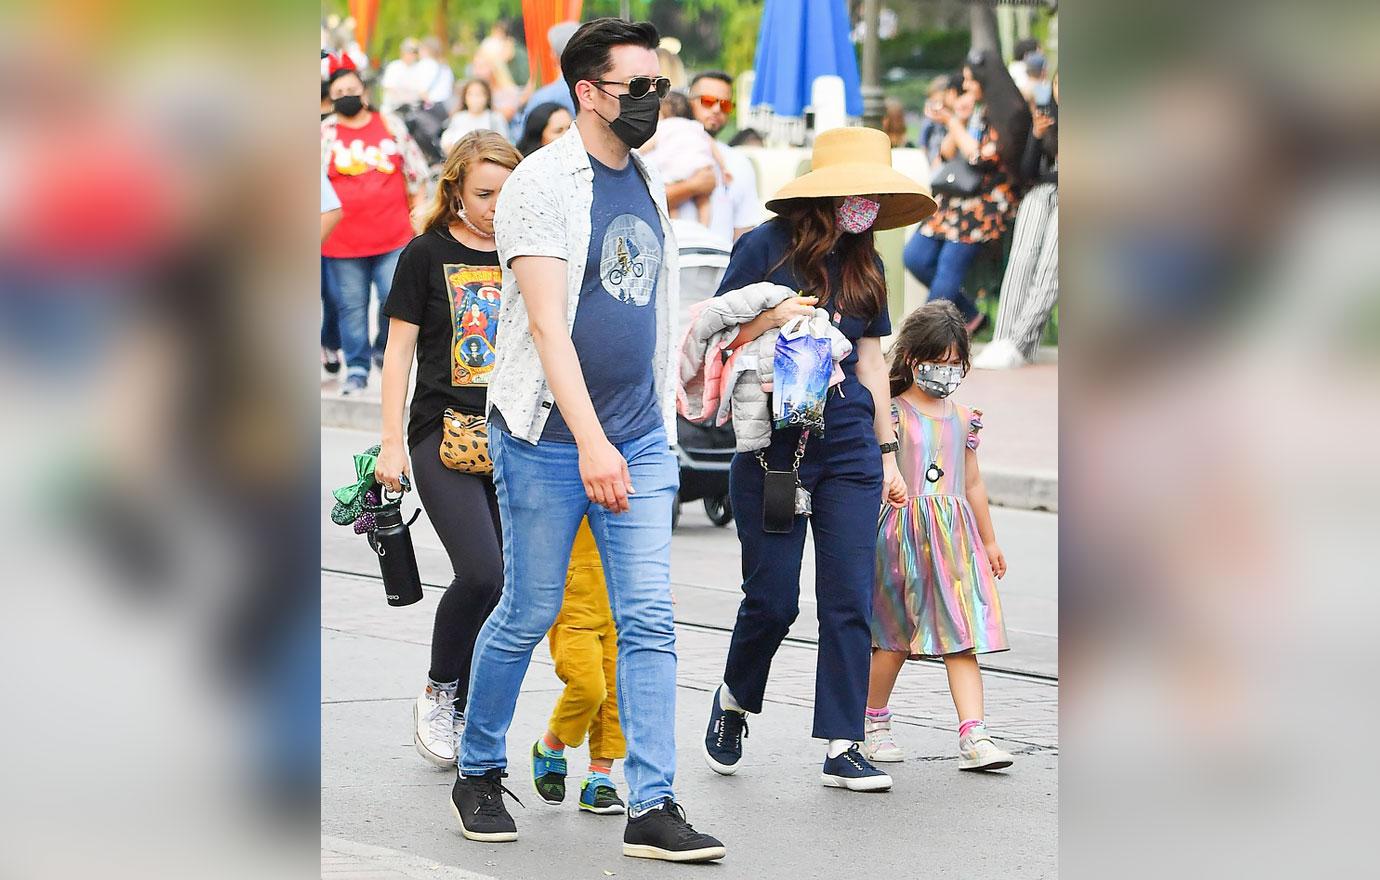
<point x="385" y="813"/>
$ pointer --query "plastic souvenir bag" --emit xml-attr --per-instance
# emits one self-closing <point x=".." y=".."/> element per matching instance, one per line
<point x="802" y="366"/>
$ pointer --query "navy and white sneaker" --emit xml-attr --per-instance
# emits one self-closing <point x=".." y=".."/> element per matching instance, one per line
<point x="723" y="741"/>
<point x="853" y="772"/>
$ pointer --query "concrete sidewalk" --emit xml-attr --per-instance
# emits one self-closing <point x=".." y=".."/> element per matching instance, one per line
<point x="386" y="814"/>
<point x="1020" y="443"/>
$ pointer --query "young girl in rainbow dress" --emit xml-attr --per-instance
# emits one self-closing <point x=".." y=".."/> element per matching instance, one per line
<point x="938" y="561"/>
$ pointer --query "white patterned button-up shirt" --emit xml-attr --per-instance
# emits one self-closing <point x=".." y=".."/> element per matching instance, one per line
<point x="544" y="211"/>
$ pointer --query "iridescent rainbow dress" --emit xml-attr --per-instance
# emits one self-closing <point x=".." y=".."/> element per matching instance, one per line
<point x="935" y="592"/>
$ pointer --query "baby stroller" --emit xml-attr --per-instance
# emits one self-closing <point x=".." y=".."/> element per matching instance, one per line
<point x="703" y="450"/>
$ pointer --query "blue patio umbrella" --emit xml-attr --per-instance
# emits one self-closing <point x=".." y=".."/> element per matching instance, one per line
<point x="801" y="40"/>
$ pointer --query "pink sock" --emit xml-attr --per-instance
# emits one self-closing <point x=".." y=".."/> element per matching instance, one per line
<point x="966" y="726"/>
<point x="884" y="712"/>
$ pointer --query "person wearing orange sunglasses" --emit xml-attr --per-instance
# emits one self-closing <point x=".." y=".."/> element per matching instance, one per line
<point x="735" y="206"/>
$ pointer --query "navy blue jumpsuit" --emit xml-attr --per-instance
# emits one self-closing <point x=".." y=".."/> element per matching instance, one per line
<point x="843" y="472"/>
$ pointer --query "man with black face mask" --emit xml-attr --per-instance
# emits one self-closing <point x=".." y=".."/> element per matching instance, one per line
<point x="582" y="415"/>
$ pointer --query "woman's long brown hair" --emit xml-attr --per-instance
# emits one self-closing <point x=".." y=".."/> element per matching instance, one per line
<point x="814" y="232"/>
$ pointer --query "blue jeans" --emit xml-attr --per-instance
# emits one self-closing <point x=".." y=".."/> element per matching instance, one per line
<point x="941" y="265"/>
<point x="541" y="501"/>
<point x="353" y="278"/>
<point x="330" y="317"/>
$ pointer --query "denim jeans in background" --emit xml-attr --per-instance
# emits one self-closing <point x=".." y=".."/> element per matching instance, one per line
<point x="541" y="502"/>
<point x="330" y="316"/>
<point x="353" y="278"/>
<point x="941" y="265"/>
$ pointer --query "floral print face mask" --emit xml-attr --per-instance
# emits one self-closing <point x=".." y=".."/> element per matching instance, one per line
<point x="857" y="214"/>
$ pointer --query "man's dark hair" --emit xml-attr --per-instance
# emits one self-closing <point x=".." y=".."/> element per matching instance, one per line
<point x="711" y="74"/>
<point x="1023" y="48"/>
<point x="588" y="54"/>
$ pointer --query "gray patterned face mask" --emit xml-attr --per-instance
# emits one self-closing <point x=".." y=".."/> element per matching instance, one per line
<point x="938" y="380"/>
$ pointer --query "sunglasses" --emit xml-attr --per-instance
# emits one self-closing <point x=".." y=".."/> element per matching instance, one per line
<point x="639" y="86"/>
<point x="708" y="102"/>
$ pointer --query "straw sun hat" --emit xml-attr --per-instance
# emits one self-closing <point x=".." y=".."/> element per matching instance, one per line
<point x="857" y="162"/>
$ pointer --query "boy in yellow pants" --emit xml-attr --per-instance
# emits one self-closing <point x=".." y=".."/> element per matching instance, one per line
<point x="584" y="645"/>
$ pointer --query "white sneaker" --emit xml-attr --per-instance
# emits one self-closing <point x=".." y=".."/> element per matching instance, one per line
<point x="976" y="751"/>
<point x="999" y="354"/>
<point x="435" y="724"/>
<point x="879" y="745"/>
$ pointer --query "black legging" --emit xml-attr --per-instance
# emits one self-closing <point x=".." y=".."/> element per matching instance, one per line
<point x="464" y="511"/>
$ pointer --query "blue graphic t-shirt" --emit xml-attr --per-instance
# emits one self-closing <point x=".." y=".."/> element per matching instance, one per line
<point x="615" y="322"/>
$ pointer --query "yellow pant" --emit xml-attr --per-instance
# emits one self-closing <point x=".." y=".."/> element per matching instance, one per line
<point x="584" y="644"/>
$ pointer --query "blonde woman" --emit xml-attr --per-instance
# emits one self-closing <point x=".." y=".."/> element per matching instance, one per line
<point x="443" y="309"/>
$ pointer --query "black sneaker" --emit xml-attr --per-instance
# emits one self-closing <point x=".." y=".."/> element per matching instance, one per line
<point x="664" y="834"/>
<point x="478" y="803"/>
<point x="330" y="360"/>
<point x="548" y="775"/>
<point x="723" y="741"/>
<point x="853" y="772"/>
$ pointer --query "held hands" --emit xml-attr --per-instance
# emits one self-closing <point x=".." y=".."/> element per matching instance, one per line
<point x="894" y="491"/>
<point x="391" y="465"/>
<point x="605" y="475"/>
<point x="994" y="555"/>
<point x="791" y="309"/>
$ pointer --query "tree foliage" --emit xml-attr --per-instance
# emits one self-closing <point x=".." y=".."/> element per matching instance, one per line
<point x="733" y="22"/>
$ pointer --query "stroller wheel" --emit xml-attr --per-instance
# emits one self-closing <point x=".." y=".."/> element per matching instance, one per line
<point x="675" y="514"/>
<point x="719" y="510"/>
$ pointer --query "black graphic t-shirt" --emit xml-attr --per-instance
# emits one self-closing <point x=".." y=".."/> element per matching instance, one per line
<point x="451" y="292"/>
<point x="615" y="322"/>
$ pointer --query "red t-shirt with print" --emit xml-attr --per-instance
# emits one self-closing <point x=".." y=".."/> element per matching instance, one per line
<point x="366" y="170"/>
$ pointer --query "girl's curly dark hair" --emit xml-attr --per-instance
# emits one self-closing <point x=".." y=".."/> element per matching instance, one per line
<point x="926" y="334"/>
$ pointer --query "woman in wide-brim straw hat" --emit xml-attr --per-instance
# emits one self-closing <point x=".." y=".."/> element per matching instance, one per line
<point x="821" y="244"/>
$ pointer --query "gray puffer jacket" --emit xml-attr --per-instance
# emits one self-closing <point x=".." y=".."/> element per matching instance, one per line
<point x="713" y="326"/>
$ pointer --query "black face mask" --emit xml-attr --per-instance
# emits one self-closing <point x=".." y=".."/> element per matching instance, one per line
<point x="637" y="118"/>
<point x="348" y="105"/>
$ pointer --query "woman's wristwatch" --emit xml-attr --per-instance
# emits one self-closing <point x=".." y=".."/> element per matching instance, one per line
<point x="893" y="446"/>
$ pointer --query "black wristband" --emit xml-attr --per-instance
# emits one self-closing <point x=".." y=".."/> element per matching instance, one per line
<point x="893" y="446"/>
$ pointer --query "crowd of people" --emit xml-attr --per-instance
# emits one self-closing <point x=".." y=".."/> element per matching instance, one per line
<point x="537" y="297"/>
<point x="424" y="112"/>
<point x="990" y="135"/>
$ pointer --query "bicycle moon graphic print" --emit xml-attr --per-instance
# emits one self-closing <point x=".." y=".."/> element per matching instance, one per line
<point x="630" y="260"/>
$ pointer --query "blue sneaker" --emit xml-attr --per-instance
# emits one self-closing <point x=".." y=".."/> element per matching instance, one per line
<point x="355" y="383"/>
<point x="548" y="774"/>
<point x="853" y="772"/>
<point x="599" y="795"/>
<point x="723" y="741"/>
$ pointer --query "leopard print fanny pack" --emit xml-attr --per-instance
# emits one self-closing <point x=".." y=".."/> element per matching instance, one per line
<point x="465" y="443"/>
